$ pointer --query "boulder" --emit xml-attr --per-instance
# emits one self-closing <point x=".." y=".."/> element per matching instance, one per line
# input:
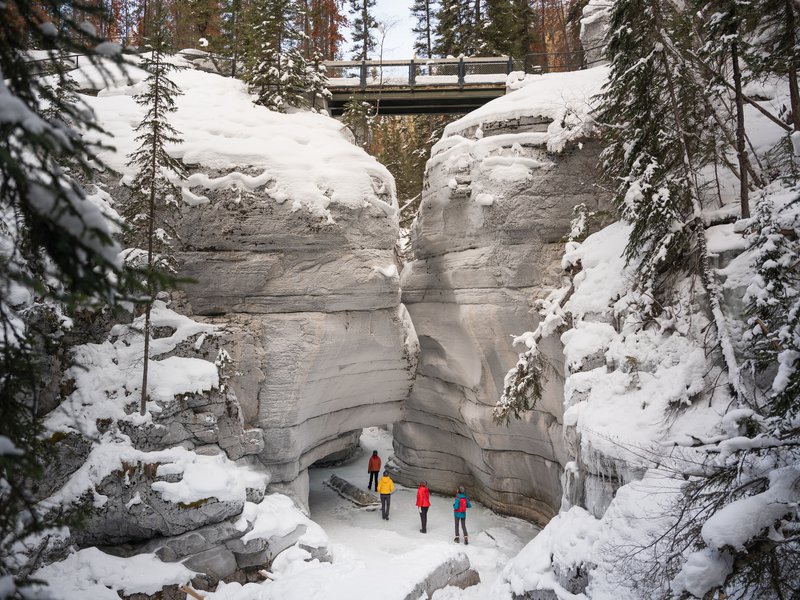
<point x="129" y="510"/>
<point x="594" y="27"/>
<point x="455" y="572"/>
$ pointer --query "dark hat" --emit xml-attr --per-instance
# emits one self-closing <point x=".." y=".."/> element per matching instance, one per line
<point x="374" y="452"/>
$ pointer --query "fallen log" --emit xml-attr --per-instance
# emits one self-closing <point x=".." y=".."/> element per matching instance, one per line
<point x="350" y="492"/>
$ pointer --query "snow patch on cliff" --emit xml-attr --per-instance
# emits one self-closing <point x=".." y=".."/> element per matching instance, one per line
<point x="564" y="99"/>
<point x="302" y="157"/>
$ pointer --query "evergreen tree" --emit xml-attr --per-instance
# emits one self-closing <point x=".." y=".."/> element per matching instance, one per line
<point x="192" y="20"/>
<point x="449" y="26"/>
<point x="154" y="193"/>
<point x="778" y="34"/>
<point x="473" y="28"/>
<point x="651" y="155"/>
<point x="523" y="30"/>
<point x="424" y="12"/>
<point x="233" y="41"/>
<point x="500" y="22"/>
<point x="359" y="117"/>
<point x="275" y="67"/>
<point x="362" y="28"/>
<point x="510" y="27"/>
<point x="57" y="253"/>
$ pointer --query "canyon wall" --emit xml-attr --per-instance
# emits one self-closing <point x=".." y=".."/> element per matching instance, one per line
<point x="487" y="242"/>
<point x="320" y="343"/>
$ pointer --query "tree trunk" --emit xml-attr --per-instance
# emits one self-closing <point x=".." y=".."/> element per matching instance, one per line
<point x="741" y="150"/>
<point x="145" y="364"/>
<point x="428" y="43"/>
<point x="697" y="227"/>
<point x="794" y="93"/>
<point x="365" y="33"/>
<point x="151" y="210"/>
<point x="306" y="31"/>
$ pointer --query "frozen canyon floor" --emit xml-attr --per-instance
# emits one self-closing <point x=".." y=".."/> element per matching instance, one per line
<point x="380" y="552"/>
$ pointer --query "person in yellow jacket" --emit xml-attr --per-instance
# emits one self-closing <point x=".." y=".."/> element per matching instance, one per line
<point x="385" y="489"/>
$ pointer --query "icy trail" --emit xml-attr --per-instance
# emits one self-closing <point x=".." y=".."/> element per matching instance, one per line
<point x="361" y="540"/>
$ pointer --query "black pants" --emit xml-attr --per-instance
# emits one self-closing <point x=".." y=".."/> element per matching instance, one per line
<point x="371" y="475"/>
<point x="386" y="500"/>
<point x="463" y="521"/>
<point x="423" y="516"/>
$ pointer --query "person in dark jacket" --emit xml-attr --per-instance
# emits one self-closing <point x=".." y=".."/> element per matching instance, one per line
<point x="374" y="469"/>
<point x="423" y="504"/>
<point x="460" y="507"/>
<point x="385" y="489"/>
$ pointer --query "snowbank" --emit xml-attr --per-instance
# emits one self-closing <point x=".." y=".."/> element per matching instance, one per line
<point x="564" y="100"/>
<point x="108" y="376"/>
<point x="302" y="157"/>
<point x="92" y="574"/>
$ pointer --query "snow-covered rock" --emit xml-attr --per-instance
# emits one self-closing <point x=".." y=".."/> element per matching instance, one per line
<point x="296" y="340"/>
<point x="594" y="27"/>
<point x="287" y="233"/>
<point x="488" y="242"/>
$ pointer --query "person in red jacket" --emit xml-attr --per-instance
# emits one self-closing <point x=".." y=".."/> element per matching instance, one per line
<point x="423" y="504"/>
<point x="374" y="469"/>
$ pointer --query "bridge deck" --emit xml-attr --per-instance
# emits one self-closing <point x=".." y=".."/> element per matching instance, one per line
<point x="428" y="86"/>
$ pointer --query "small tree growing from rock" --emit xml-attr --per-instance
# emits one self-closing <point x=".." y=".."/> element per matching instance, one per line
<point x="154" y="192"/>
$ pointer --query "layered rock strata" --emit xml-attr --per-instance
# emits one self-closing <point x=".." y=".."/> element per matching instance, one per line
<point x="321" y="345"/>
<point x="594" y="28"/>
<point x="487" y="243"/>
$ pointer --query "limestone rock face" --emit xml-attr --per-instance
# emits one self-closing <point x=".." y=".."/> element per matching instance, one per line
<point x="321" y="345"/>
<point x="488" y="242"/>
<point x="594" y="26"/>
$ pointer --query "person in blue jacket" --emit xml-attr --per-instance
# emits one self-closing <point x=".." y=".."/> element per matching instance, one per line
<point x="460" y="507"/>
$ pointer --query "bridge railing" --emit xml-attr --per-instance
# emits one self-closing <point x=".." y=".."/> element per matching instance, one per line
<point x="51" y="60"/>
<point x="421" y="71"/>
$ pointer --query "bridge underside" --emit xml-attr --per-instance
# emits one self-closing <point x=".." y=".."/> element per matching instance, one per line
<point x="417" y="100"/>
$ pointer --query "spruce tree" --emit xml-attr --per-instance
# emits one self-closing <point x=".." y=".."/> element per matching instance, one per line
<point x="155" y="196"/>
<point x="57" y="252"/>
<point x="523" y="30"/>
<point x="424" y="30"/>
<point x="362" y="28"/>
<point x="276" y="69"/>
<point x="500" y="23"/>
<point x="651" y="104"/>
<point x="777" y="31"/>
<point x="359" y="116"/>
<point x="473" y="28"/>
<point x="449" y="25"/>
<point x="232" y="40"/>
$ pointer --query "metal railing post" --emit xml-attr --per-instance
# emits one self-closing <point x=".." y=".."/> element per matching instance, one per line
<point x="509" y="65"/>
<point x="412" y="73"/>
<point x="363" y="76"/>
<point x="462" y="71"/>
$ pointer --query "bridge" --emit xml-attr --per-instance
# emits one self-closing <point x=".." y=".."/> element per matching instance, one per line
<point x="418" y="86"/>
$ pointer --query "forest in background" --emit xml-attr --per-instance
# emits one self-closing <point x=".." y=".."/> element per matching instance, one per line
<point x="277" y="46"/>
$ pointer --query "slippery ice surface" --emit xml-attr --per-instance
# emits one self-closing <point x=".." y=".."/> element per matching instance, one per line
<point x="386" y="558"/>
